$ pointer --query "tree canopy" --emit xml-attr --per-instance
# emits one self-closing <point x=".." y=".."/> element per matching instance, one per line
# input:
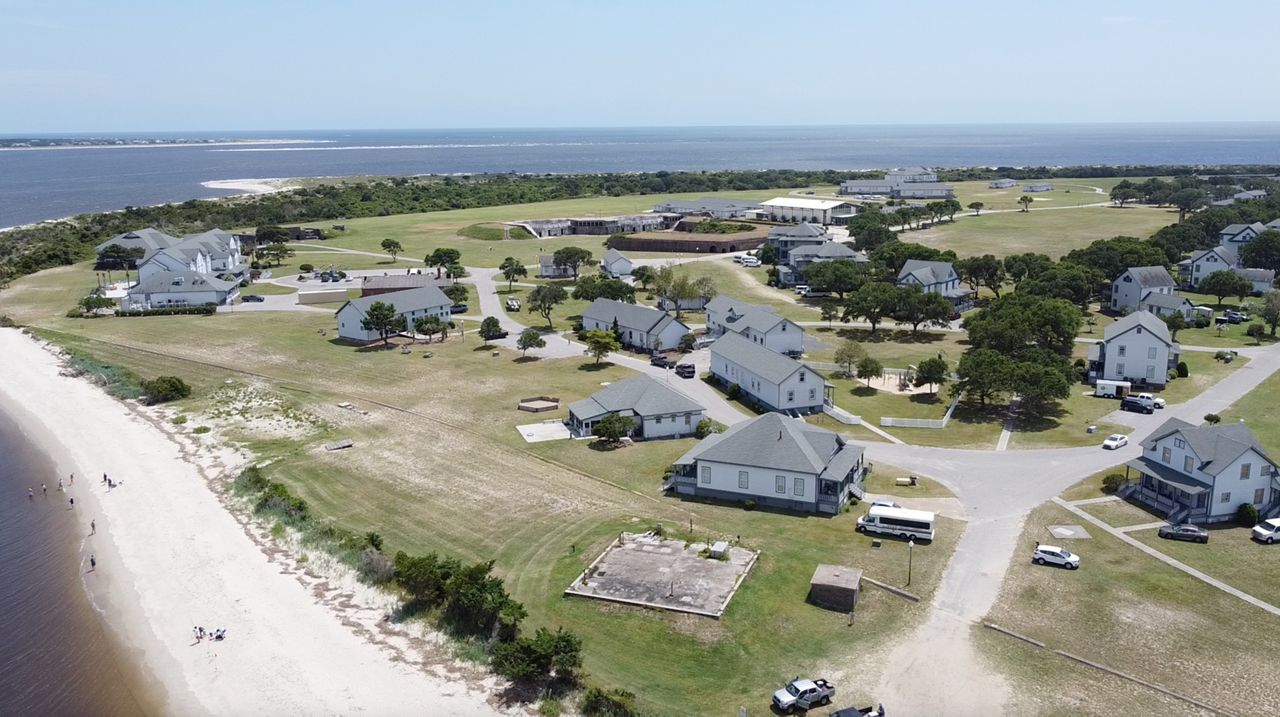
<point x="381" y="318"/>
<point x="544" y="299"/>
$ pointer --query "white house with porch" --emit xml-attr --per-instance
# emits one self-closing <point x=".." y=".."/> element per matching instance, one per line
<point x="411" y="304"/>
<point x="174" y="289"/>
<point x="756" y="323"/>
<point x="637" y="326"/>
<point x="659" y="411"/>
<point x="1203" y="474"/>
<point x="1136" y="348"/>
<point x="934" y="277"/>
<point x="774" y="381"/>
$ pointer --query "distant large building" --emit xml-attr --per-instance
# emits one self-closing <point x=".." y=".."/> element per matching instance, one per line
<point x="909" y="183"/>
<point x="713" y="207"/>
<point x="595" y="226"/>
<point x="196" y="269"/>
<point x="800" y="209"/>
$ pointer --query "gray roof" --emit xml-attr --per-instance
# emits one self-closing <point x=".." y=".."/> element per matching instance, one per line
<point x="753" y="318"/>
<point x="765" y="363"/>
<point x="629" y="316"/>
<point x="799" y="231"/>
<point x="722" y="303"/>
<point x="776" y="442"/>
<point x="927" y="272"/>
<point x="709" y="204"/>
<point x="1139" y="319"/>
<point x="1167" y="474"/>
<point x="150" y="240"/>
<point x="180" y="282"/>
<point x="1149" y="277"/>
<point x="906" y="187"/>
<point x="611" y="255"/>
<point x="1273" y="224"/>
<point x="1251" y="194"/>
<point x="829" y="250"/>
<point x="1165" y="301"/>
<point x="1227" y="254"/>
<point x="1233" y="229"/>
<point x="1257" y="274"/>
<point x="643" y="394"/>
<point x="1215" y="446"/>
<point x="426" y="297"/>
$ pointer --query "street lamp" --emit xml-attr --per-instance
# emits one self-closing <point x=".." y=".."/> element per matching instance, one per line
<point x="911" y="549"/>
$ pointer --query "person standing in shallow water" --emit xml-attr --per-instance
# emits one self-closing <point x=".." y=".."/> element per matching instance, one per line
<point x="93" y="563"/>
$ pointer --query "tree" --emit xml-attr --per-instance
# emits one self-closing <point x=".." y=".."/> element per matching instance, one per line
<point x="872" y="302"/>
<point x="441" y="258"/>
<point x="1025" y="266"/>
<point x="1188" y="200"/>
<point x="163" y="389"/>
<point x="572" y="257"/>
<point x="933" y="372"/>
<point x="490" y="329"/>
<point x="93" y="302"/>
<point x="1040" y="387"/>
<point x="1263" y="252"/>
<point x="530" y="339"/>
<point x="476" y="600"/>
<point x="511" y="270"/>
<point x="643" y="275"/>
<point x="1270" y="310"/>
<point x="767" y="254"/>
<point x="1016" y="323"/>
<point x="1025" y="201"/>
<point x="679" y="289"/>
<point x="423" y="578"/>
<point x="1256" y="331"/>
<point x="457" y="293"/>
<point x="848" y="354"/>
<point x="544" y="299"/>
<point x="613" y="428"/>
<point x="546" y="654"/>
<point x="1176" y="322"/>
<point x="590" y="288"/>
<point x="983" y="374"/>
<point x="1124" y="191"/>
<point x="985" y="270"/>
<point x="977" y="208"/>
<point x="276" y="252"/>
<point x="1223" y="284"/>
<point x="839" y="276"/>
<point x="600" y="343"/>
<point x="1212" y="419"/>
<point x="270" y="234"/>
<point x="382" y="319"/>
<point x="455" y="271"/>
<point x="1071" y="282"/>
<point x="392" y="247"/>
<point x="950" y="207"/>
<point x="872" y="237"/>
<point x="917" y="307"/>
<point x="869" y="368"/>
<point x="119" y="257"/>
<point x="428" y="326"/>
<point x="830" y="310"/>
<point x="1110" y="257"/>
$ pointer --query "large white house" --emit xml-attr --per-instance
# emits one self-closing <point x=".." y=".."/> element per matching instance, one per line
<point x="934" y="277"/>
<point x="774" y="381"/>
<point x="1203" y="474"/>
<point x="173" y="289"/>
<point x="1136" y="283"/>
<point x="801" y="258"/>
<point x="784" y="239"/>
<point x="1224" y="257"/>
<point x="412" y="304"/>
<point x="754" y="322"/>
<point x="775" y="461"/>
<point x="196" y="269"/>
<point x="799" y="209"/>
<point x="637" y="326"/>
<point x="1236" y="236"/>
<point x="658" y="410"/>
<point x="1135" y="348"/>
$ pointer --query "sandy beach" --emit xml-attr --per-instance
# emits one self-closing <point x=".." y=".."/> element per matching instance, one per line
<point x="262" y="185"/>
<point x="171" y="556"/>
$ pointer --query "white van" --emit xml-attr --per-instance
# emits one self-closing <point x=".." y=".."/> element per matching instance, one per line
<point x="902" y="522"/>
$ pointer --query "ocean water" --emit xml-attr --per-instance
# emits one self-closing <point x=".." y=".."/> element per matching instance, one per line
<point x="57" y="657"/>
<point x="52" y="183"/>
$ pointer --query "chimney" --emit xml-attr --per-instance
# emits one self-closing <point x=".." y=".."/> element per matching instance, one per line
<point x="779" y="435"/>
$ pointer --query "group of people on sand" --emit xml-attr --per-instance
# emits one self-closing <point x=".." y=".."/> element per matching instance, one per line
<point x="93" y="524"/>
<point x="217" y="635"/>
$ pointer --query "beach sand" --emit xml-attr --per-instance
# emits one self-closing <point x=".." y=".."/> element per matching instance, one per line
<point x="264" y="185"/>
<point x="171" y="556"/>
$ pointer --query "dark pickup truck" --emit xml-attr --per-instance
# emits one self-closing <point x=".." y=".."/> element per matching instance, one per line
<point x="661" y="361"/>
<point x="686" y="370"/>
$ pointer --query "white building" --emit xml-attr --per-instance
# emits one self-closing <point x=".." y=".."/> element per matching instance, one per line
<point x="172" y="289"/>
<point x="658" y="410"/>
<point x="1204" y="263"/>
<point x="1135" y="283"/>
<point x="1136" y="348"/>
<point x="1163" y="305"/>
<point x="1004" y="183"/>
<point x="756" y="323"/>
<point x="175" y="258"/>
<point x="1038" y="187"/>
<point x="713" y="207"/>
<point x="637" y="326"/>
<point x="1203" y="474"/>
<point x="774" y="381"/>
<point x="786" y="238"/>
<point x="908" y="183"/>
<point x="547" y="268"/>
<point x="934" y="277"/>
<point x="412" y="304"/>
<point x="775" y="461"/>
<point x="817" y="211"/>
<point x="1235" y="236"/>
<point x="614" y="264"/>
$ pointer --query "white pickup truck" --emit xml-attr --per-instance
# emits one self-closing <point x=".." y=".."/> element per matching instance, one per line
<point x="802" y="694"/>
<point x="1154" y="400"/>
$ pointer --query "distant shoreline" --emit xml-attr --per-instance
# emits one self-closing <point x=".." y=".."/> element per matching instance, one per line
<point x="222" y="143"/>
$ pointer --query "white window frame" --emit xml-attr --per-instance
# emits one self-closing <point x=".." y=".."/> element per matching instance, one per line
<point x="706" y="474"/>
<point x="797" y="486"/>
<point x="1245" y="470"/>
<point x="744" y="480"/>
<point x="1225" y="498"/>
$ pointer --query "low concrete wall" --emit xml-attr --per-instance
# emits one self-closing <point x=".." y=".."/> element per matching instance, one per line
<point x="325" y="296"/>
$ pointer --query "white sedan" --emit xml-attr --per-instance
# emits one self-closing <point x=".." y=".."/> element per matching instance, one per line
<point x="1115" y="440"/>
<point x="1053" y="555"/>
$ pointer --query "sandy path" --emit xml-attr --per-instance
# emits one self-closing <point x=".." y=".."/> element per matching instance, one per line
<point x="171" y="556"/>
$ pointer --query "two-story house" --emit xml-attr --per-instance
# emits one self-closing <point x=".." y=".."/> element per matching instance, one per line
<point x="934" y="277"/>
<point x="636" y="326"/>
<point x="1203" y="474"/>
<point x="409" y="304"/>
<point x="802" y="257"/>
<point x="775" y="461"/>
<point x="1236" y="236"/>
<point x="176" y="258"/>
<point x="786" y="238"/>
<point x="1136" y="283"/>
<point x="1136" y="348"/>
<point x="756" y="323"/>
<point x="659" y="411"/>
<point x="1203" y="263"/>
<point x="547" y="268"/>
<point x="774" y="381"/>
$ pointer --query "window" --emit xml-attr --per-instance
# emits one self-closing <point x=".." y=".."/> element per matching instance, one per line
<point x="1127" y="279"/>
<point x="1120" y="351"/>
<point x="780" y="484"/>
<point x="813" y="394"/>
<point x="1259" y="495"/>
<point x="1151" y="372"/>
<point x="1226" y="497"/>
<point x="1166" y="455"/>
<point x="744" y="480"/>
<point x="706" y="474"/>
<point x="1188" y="465"/>
<point x="1120" y="368"/>
<point x="791" y="396"/>
<point x="1151" y="352"/>
<point x="797" y="486"/>
<point x="688" y="419"/>
<point x="1179" y="443"/>
<point x="1244" y="470"/>
<point x="802" y="377"/>
<point x="657" y="420"/>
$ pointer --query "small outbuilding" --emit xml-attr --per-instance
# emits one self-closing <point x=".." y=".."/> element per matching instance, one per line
<point x="835" y="587"/>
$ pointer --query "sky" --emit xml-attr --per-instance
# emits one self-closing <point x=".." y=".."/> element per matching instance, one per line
<point x="144" y="65"/>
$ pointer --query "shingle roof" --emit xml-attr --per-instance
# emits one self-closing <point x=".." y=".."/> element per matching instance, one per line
<point x="1144" y="319"/>
<point x="829" y="250"/>
<point x="643" y="394"/>
<point x="927" y="272"/>
<point x="1165" y="301"/>
<point x="149" y="239"/>
<point x="1215" y="446"/>
<point x="611" y="255"/>
<point x="776" y="442"/>
<point x="426" y="297"/>
<point x="799" y="231"/>
<point x="1149" y="277"/>
<point x="628" y="316"/>
<point x="1268" y="275"/>
<point x="751" y="356"/>
<point x="1224" y="253"/>
<point x="1232" y="230"/>
<point x="180" y="282"/>
<point x="722" y="303"/>
<point x="756" y="319"/>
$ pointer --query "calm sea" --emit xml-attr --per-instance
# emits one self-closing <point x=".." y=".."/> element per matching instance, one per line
<point x="56" y="655"/>
<point x="47" y="184"/>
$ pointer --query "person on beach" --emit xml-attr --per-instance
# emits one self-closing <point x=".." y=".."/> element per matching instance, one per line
<point x="44" y="489"/>
<point x="93" y="527"/>
<point x="73" y="479"/>
<point x="59" y="485"/>
<point x="31" y="495"/>
<point x="104" y="477"/>
<point x="73" y="503"/>
<point x="93" y="563"/>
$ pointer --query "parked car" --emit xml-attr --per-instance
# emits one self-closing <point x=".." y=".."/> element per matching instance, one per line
<point x="1155" y="400"/>
<point x="1053" y="555"/>
<point x="1235" y="317"/>
<point x="877" y="711"/>
<point x="737" y="258"/>
<point x="686" y="370"/>
<point x="252" y="298"/>
<point x="661" y="361"/>
<point x="1268" y="531"/>
<point x="513" y="304"/>
<point x="803" y="694"/>
<point x="885" y="503"/>
<point x="1115" y="440"/>
<point x="1137" y="405"/>
<point x="458" y="309"/>
<point x="750" y="261"/>
<point x="1186" y="531"/>
<point x="801" y="289"/>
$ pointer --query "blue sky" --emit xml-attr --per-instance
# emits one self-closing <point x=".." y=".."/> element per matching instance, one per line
<point x="80" y="65"/>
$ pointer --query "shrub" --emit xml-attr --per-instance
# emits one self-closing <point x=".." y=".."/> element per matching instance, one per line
<point x="1221" y="355"/>
<point x="1183" y="370"/>
<point x="373" y="540"/>
<point x="74" y="313"/>
<point x="550" y="707"/>
<point x="733" y="392"/>
<point x="250" y="481"/>
<point x="706" y="427"/>
<point x="1201" y="322"/>
<point x="255" y="265"/>
<point x="204" y="310"/>
<point x="528" y="659"/>
<point x="1212" y="418"/>
<point x="687" y="342"/>
<point x="748" y="504"/>
<point x="6" y="322"/>
<point x="200" y="430"/>
<point x="1173" y="375"/>
<point x="597" y="702"/>
<point x="163" y="389"/>
<point x="277" y="499"/>
<point x="1247" y="515"/>
<point x="1112" y="482"/>
<point x="306" y="268"/>
<point x="179" y="420"/>
<point x="374" y="568"/>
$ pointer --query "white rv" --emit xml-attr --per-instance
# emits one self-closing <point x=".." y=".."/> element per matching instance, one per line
<point x="902" y="522"/>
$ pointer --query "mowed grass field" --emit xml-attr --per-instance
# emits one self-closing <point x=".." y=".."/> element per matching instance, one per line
<point x="438" y="465"/>
<point x="1052" y="232"/>
<point x="1065" y="193"/>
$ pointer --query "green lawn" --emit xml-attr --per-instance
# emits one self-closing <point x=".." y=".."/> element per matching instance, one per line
<point x="1066" y="426"/>
<point x="1231" y="556"/>
<point x="563" y="317"/>
<point x="970" y="426"/>
<point x="748" y="285"/>
<point x="1132" y="613"/>
<point x="1257" y="408"/>
<point x="1090" y="487"/>
<point x="265" y="289"/>
<point x="895" y="348"/>
<point x="1047" y="232"/>
<point x="882" y="481"/>
<point x="1120" y="513"/>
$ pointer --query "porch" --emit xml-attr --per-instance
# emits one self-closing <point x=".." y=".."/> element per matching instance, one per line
<point x="1166" y="492"/>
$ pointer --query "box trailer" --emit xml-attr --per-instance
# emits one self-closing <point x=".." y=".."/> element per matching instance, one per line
<point x="1112" y="389"/>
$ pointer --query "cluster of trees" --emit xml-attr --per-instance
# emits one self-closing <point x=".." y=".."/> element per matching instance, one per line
<point x="674" y="285"/>
<point x="597" y="286"/>
<point x="1020" y="343"/>
<point x="573" y="258"/>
